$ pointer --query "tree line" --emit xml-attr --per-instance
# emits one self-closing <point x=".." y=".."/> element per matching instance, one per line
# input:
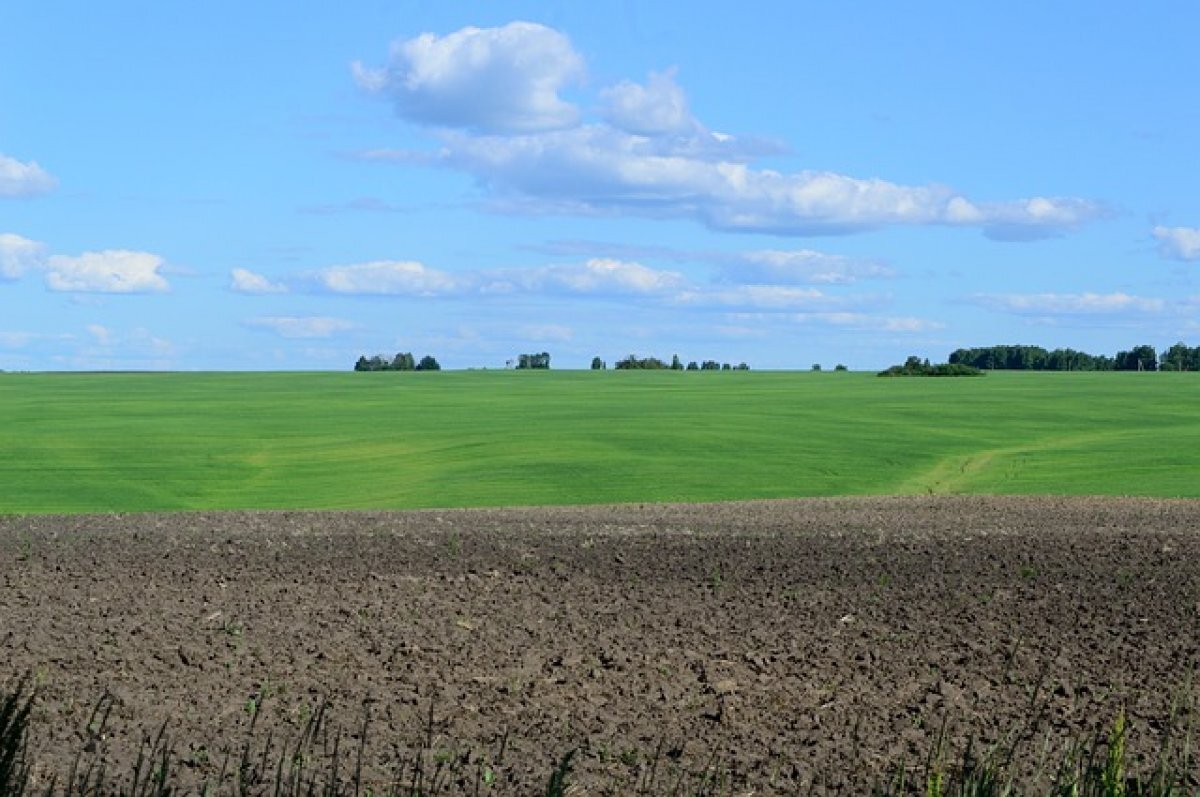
<point x="635" y="363"/>
<point x="1179" y="357"/>
<point x="403" y="361"/>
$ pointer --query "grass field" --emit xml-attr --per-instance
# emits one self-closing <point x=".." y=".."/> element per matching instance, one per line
<point x="134" y="442"/>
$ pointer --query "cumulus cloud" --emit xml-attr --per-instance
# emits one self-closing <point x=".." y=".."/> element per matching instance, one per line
<point x="657" y="108"/>
<point x="1178" y="243"/>
<point x="1043" y="304"/>
<point x="495" y="93"/>
<point x="19" y="179"/>
<point x="110" y="271"/>
<point x="390" y="277"/>
<point x="246" y="281"/>
<point x="18" y="255"/>
<point x="486" y="79"/>
<point x="802" y="267"/>
<point x="302" y="327"/>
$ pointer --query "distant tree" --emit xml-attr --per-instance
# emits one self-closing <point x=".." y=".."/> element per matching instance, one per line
<point x="816" y="366"/>
<point x="710" y="365"/>
<point x="692" y="366"/>
<point x="915" y="366"/>
<point x="726" y="367"/>
<point x="598" y="364"/>
<point x="403" y="361"/>
<point x="428" y="363"/>
<point x="539" y="361"/>
<point x="635" y="363"/>
<point x="741" y="367"/>
<point x="840" y="367"/>
<point x="1180" y="357"/>
<point x="362" y="364"/>
<point x="1141" y="358"/>
<point x="676" y="364"/>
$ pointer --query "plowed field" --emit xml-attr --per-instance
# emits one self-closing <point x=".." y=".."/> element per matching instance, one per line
<point x="781" y="645"/>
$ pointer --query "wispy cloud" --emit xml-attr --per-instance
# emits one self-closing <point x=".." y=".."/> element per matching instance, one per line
<point x="802" y="267"/>
<point x="1068" y="304"/>
<point x="18" y="179"/>
<point x="303" y="326"/>
<point x="759" y="323"/>
<point x="136" y="343"/>
<point x="362" y="204"/>
<point x="494" y="95"/>
<point x="762" y="297"/>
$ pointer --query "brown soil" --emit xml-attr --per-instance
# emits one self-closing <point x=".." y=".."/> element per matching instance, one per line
<point x="784" y="644"/>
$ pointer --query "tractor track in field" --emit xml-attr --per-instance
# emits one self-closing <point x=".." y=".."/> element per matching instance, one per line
<point x="788" y="643"/>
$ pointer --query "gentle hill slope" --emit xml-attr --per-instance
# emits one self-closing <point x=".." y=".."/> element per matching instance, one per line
<point x="134" y="442"/>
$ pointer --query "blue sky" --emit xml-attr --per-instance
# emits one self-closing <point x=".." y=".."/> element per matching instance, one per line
<point x="274" y="185"/>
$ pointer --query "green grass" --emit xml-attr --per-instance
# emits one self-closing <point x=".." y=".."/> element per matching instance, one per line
<point x="133" y="442"/>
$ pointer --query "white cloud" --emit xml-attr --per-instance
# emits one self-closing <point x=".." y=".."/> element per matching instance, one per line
<point x="802" y="267"/>
<point x="598" y="168"/>
<point x="597" y="276"/>
<point x="761" y="297"/>
<point x="1178" y="243"/>
<point x="302" y="327"/>
<point x="110" y="271"/>
<point x="245" y="281"/>
<point x="488" y="79"/>
<point x="1040" y="304"/>
<point x="18" y="255"/>
<point x="657" y="108"/>
<point x="552" y="333"/>
<point x="496" y="92"/>
<point x="390" y="277"/>
<point x="133" y="346"/>
<point x="101" y="334"/>
<point x="19" y="179"/>
<point x="763" y="322"/>
<point x="872" y="323"/>
<point x="16" y="340"/>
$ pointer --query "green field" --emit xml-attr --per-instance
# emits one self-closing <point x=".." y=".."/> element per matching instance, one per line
<point x="133" y="442"/>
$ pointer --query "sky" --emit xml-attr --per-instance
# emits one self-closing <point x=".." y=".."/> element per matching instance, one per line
<point x="288" y="186"/>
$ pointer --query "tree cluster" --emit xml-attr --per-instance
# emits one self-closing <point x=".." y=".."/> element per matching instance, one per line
<point x="534" y="361"/>
<point x="403" y="361"/>
<point x="915" y="366"/>
<point x="635" y="363"/>
<point x="1179" y="357"/>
